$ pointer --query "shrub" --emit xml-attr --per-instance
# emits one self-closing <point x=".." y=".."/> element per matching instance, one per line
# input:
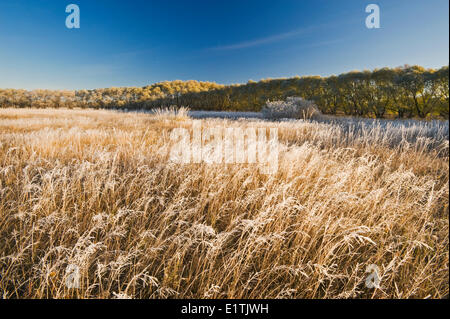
<point x="171" y="113"/>
<point x="293" y="108"/>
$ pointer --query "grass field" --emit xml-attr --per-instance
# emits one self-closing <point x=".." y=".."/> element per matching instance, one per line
<point x="95" y="189"/>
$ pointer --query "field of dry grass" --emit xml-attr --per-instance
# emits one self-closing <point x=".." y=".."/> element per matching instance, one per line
<point x="95" y="189"/>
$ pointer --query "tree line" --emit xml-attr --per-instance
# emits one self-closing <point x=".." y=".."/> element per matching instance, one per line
<point x="403" y="92"/>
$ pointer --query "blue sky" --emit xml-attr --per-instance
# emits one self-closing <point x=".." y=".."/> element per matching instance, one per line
<point x="136" y="43"/>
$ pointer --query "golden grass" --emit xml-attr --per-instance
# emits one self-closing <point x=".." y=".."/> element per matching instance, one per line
<point x="95" y="189"/>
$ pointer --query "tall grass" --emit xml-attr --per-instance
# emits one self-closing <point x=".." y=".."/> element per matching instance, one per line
<point x="95" y="189"/>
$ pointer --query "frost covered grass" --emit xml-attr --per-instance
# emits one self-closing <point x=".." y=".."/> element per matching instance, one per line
<point x="94" y="189"/>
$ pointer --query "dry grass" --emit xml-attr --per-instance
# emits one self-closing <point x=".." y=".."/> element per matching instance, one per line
<point x="94" y="189"/>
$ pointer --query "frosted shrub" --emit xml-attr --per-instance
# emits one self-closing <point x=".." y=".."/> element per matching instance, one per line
<point x="171" y="113"/>
<point x="294" y="107"/>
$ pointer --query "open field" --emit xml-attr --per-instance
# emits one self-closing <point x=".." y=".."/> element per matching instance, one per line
<point x="94" y="189"/>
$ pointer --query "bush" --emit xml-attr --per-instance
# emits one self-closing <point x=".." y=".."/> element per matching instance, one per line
<point x="293" y="108"/>
<point x="171" y="113"/>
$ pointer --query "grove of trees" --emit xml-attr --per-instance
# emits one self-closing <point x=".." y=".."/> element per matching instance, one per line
<point x="403" y="92"/>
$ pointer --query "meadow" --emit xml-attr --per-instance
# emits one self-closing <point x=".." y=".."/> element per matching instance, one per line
<point x="95" y="189"/>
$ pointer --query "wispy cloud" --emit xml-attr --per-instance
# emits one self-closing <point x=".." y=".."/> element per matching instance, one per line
<point x="265" y="40"/>
<point x="324" y="43"/>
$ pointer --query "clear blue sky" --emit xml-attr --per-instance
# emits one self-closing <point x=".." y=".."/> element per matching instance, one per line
<point x="135" y="43"/>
